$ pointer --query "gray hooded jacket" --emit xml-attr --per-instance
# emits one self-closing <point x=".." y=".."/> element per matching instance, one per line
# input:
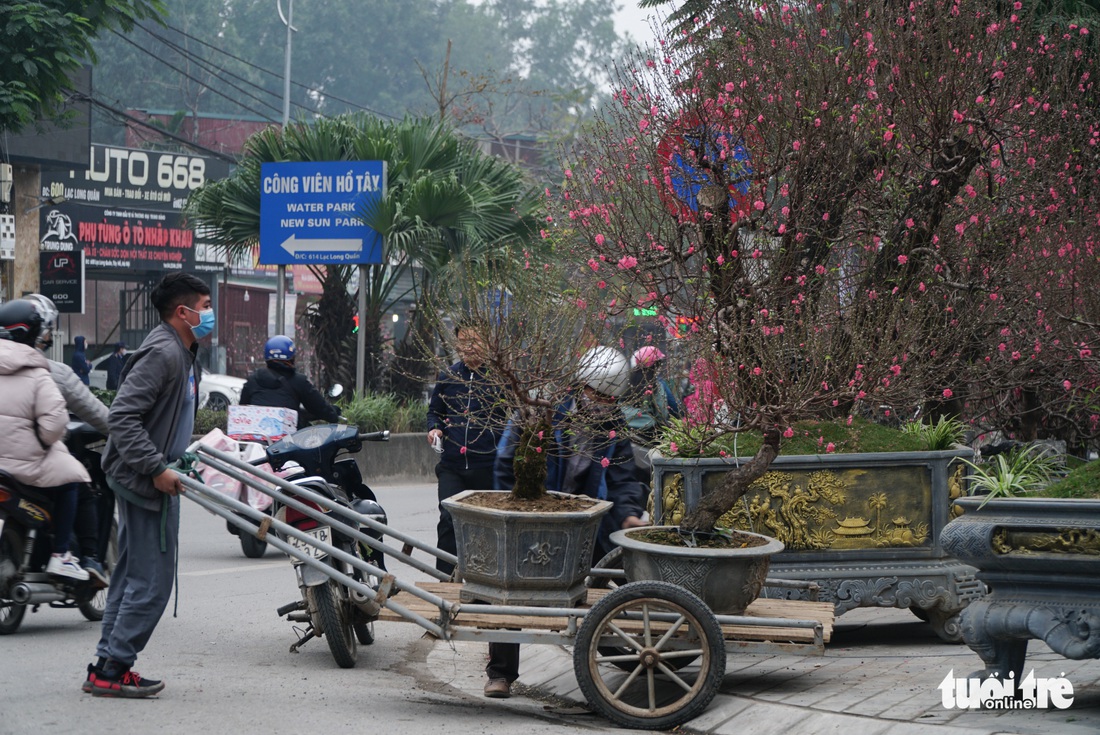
<point x="145" y="414"/>
<point x="78" y="398"/>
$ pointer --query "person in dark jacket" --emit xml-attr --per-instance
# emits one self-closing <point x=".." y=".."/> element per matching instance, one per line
<point x="81" y="366"/>
<point x="279" y="385"/>
<point x="465" y="421"/>
<point x="593" y="458"/>
<point x="114" y="365"/>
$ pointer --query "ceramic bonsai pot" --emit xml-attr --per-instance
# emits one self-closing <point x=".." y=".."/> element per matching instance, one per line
<point x="524" y="558"/>
<point x="726" y="579"/>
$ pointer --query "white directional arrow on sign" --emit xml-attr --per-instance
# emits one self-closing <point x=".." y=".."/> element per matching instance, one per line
<point x="293" y="245"/>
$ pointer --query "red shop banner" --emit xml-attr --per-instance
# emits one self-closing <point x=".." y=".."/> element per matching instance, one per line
<point x="119" y="238"/>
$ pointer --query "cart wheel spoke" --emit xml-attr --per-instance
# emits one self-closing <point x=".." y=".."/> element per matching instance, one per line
<point x="672" y="630"/>
<point x="618" y="658"/>
<point x="629" y="680"/>
<point x="674" y="677"/>
<point x="627" y="637"/>
<point x="646" y="626"/>
<point x="686" y="653"/>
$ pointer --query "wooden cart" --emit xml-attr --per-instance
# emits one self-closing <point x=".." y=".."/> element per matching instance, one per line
<point x="647" y="654"/>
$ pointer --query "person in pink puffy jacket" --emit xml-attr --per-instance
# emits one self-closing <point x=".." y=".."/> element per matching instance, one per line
<point x="34" y="416"/>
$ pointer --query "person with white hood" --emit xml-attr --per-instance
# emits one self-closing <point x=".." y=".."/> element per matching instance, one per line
<point x="34" y="417"/>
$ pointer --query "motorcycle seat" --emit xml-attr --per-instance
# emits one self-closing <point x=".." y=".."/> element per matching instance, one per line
<point x="34" y="494"/>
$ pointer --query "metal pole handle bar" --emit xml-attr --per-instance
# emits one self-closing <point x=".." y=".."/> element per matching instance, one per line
<point x="258" y="474"/>
<point x="321" y="517"/>
<point x="375" y="436"/>
<point x="213" y="497"/>
<point x="607" y="572"/>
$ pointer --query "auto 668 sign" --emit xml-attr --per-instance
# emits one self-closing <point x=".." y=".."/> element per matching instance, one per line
<point x="124" y="211"/>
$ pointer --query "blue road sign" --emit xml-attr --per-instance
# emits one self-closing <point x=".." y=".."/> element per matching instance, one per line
<point x="309" y="212"/>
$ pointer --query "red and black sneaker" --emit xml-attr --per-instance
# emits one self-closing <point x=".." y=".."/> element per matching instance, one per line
<point x="124" y="682"/>
<point x="89" y="682"/>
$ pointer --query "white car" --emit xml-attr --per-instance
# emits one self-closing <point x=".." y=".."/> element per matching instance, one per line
<point x="216" y="391"/>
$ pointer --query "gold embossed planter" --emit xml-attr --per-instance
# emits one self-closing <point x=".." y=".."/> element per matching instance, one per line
<point x="865" y="527"/>
<point x="520" y="558"/>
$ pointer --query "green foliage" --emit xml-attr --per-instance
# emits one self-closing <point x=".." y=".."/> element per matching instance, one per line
<point x="381" y="411"/>
<point x="106" y="397"/>
<point x="207" y="420"/>
<point x="943" y="434"/>
<point x="810" y="437"/>
<point x="1082" y="482"/>
<point x="44" y="42"/>
<point x="1022" y="471"/>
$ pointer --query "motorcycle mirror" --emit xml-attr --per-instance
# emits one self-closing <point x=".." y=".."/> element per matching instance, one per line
<point x="336" y="391"/>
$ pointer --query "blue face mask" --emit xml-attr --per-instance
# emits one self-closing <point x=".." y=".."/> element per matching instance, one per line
<point x="205" y="325"/>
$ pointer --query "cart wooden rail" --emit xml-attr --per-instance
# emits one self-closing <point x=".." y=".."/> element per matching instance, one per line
<point x="733" y="634"/>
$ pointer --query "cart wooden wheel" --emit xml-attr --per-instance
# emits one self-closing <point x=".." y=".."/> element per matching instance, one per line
<point x="652" y="625"/>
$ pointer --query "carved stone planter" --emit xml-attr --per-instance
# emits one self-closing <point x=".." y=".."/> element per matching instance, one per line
<point x="1041" y="560"/>
<point x="865" y="527"/>
<point x="522" y="558"/>
<point x="726" y="579"/>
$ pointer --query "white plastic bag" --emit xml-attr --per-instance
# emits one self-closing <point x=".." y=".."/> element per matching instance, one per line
<point x="246" y="451"/>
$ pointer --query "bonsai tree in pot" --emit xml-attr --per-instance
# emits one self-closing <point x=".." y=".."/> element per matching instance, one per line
<point x="826" y="227"/>
<point x="541" y="352"/>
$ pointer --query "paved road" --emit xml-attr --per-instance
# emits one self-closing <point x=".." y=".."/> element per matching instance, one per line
<point x="226" y="662"/>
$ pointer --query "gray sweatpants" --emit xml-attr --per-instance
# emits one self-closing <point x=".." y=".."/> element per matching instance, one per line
<point x="141" y="582"/>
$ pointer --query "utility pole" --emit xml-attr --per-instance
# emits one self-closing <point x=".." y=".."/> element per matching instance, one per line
<point x="280" y="281"/>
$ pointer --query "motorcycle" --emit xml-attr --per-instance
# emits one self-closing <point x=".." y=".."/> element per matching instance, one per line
<point x="316" y="458"/>
<point x="252" y="547"/>
<point x="26" y="540"/>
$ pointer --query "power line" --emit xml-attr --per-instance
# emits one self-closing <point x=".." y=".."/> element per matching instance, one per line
<point x="212" y="67"/>
<point x="278" y="75"/>
<point x="161" y="131"/>
<point x="209" y="67"/>
<point x="187" y="52"/>
<point x="205" y="84"/>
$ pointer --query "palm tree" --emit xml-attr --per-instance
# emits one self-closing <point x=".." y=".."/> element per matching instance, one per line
<point x="444" y="197"/>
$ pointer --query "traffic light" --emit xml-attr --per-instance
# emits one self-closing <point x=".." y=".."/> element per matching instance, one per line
<point x="355" y="322"/>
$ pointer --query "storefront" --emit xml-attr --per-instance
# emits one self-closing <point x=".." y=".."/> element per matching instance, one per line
<point x="118" y="227"/>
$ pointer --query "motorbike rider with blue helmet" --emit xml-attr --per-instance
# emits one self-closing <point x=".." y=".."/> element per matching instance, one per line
<point x="279" y="385"/>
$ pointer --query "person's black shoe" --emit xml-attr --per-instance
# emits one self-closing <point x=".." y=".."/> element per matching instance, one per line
<point x="119" y="681"/>
<point x="94" y="670"/>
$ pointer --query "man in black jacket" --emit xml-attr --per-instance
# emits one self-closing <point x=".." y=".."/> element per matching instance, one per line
<point x="465" y="421"/>
<point x="279" y="385"/>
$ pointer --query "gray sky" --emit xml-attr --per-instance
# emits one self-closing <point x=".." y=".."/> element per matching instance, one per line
<point x="633" y="20"/>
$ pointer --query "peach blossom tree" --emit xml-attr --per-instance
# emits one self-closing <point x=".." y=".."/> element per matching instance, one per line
<point x="851" y="203"/>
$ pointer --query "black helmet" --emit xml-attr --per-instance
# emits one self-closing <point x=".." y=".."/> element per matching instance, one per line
<point x="21" y="320"/>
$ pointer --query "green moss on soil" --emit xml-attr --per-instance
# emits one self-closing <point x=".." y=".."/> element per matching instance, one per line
<point x="813" y="437"/>
<point x="1083" y="483"/>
